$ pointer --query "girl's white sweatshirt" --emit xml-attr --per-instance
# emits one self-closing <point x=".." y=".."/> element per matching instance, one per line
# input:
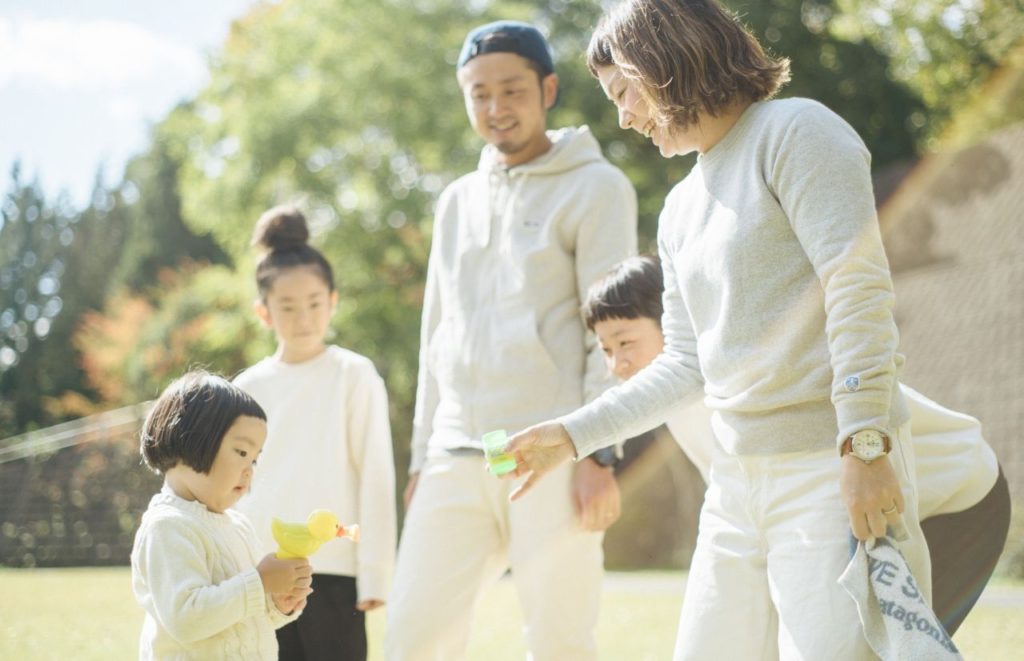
<point x="328" y="447"/>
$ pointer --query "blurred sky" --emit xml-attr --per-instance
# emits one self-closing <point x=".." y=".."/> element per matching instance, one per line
<point x="81" y="81"/>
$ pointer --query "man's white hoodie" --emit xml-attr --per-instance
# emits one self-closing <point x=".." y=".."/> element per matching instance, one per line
<point x="502" y="342"/>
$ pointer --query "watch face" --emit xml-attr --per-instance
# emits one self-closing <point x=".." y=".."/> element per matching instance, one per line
<point x="867" y="445"/>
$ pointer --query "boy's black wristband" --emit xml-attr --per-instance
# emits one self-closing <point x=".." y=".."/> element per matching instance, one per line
<point x="606" y="457"/>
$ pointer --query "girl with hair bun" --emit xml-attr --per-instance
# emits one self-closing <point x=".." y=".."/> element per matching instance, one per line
<point x="328" y="442"/>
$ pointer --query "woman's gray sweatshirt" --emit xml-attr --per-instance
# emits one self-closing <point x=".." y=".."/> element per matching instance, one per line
<point x="778" y="297"/>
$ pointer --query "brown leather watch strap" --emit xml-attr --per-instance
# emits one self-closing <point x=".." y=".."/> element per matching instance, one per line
<point x="847" y="445"/>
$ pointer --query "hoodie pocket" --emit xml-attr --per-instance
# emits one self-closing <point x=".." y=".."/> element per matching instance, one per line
<point x="520" y="359"/>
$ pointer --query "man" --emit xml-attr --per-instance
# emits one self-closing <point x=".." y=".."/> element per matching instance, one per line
<point x="503" y="345"/>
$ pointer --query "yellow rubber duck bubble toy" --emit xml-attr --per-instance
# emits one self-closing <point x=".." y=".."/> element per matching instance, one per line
<point x="499" y="462"/>
<point x="301" y="540"/>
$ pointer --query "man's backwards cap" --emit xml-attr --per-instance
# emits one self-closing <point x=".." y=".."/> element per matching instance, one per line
<point x="508" y="37"/>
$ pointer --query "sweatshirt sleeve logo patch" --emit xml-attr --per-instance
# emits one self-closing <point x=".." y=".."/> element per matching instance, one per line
<point x="852" y="383"/>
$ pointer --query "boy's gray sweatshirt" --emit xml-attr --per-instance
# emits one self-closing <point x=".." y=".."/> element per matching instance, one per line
<point x="502" y="342"/>
<point x="778" y="297"/>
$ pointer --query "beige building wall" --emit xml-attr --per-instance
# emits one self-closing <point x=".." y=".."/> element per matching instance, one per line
<point x="954" y="231"/>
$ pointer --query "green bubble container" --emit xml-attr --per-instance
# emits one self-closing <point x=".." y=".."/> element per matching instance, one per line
<point x="499" y="462"/>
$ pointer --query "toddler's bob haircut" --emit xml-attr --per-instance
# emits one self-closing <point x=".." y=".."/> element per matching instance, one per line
<point x="189" y="420"/>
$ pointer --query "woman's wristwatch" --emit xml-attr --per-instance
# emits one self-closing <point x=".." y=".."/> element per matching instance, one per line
<point x="867" y="445"/>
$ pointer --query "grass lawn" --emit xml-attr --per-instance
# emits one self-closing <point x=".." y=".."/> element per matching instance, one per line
<point x="90" y="614"/>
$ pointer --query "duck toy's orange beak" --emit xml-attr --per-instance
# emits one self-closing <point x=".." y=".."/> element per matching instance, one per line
<point x="351" y="531"/>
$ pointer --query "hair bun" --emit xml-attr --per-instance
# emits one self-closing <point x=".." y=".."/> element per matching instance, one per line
<point x="281" y="228"/>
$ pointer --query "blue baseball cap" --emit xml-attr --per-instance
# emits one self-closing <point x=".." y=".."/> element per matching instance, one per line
<point x="508" y="37"/>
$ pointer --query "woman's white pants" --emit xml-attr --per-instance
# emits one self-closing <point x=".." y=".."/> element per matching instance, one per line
<point x="774" y="536"/>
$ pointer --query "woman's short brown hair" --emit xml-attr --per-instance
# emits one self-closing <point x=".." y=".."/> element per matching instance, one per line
<point x="688" y="56"/>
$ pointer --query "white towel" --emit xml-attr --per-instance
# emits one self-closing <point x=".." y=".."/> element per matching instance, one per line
<point x="898" y="623"/>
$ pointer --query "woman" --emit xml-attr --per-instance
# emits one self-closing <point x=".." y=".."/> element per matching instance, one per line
<point x="778" y="304"/>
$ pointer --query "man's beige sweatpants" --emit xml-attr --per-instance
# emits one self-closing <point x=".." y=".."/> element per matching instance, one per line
<point x="461" y="534"/>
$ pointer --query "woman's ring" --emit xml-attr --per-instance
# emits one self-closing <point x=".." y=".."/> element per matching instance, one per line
<point x="891" y="510"/>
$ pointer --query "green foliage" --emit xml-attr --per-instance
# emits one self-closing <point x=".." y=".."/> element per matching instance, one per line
<point x="33" y="244"/>
<point x="197" y="318"/>
<point x="57" y="266"/>
<point x="54" y="265"/>
<point x="997" y="104"/>
<point x="848" y="76"/>
<point x="942" y="50"/>
<point x="157" y="237"/>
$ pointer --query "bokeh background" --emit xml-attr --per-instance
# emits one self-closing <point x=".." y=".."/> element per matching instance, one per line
<point x="350" y="108"/>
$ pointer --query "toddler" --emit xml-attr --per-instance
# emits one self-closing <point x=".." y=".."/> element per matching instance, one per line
<point x="197" y="570"/>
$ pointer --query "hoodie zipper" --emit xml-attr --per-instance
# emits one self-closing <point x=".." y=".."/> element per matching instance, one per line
<point x="499" y="187"/>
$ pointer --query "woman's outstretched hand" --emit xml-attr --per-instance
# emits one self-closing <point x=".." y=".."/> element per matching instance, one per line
<point x="539" y="450"/>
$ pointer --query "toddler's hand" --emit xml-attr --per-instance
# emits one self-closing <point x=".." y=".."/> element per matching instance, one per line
<point x="289" y="603"/>
<point x="283" y="576"/>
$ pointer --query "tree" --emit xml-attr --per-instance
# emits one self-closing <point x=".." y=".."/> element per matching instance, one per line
<point x="157" y="237"/>
<point x="196" y="317"/>
<point x="849" y="76"/>
<point x="33" y="244"/>
<point x="943" y="50"/>
<point x="54" y="264"/>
